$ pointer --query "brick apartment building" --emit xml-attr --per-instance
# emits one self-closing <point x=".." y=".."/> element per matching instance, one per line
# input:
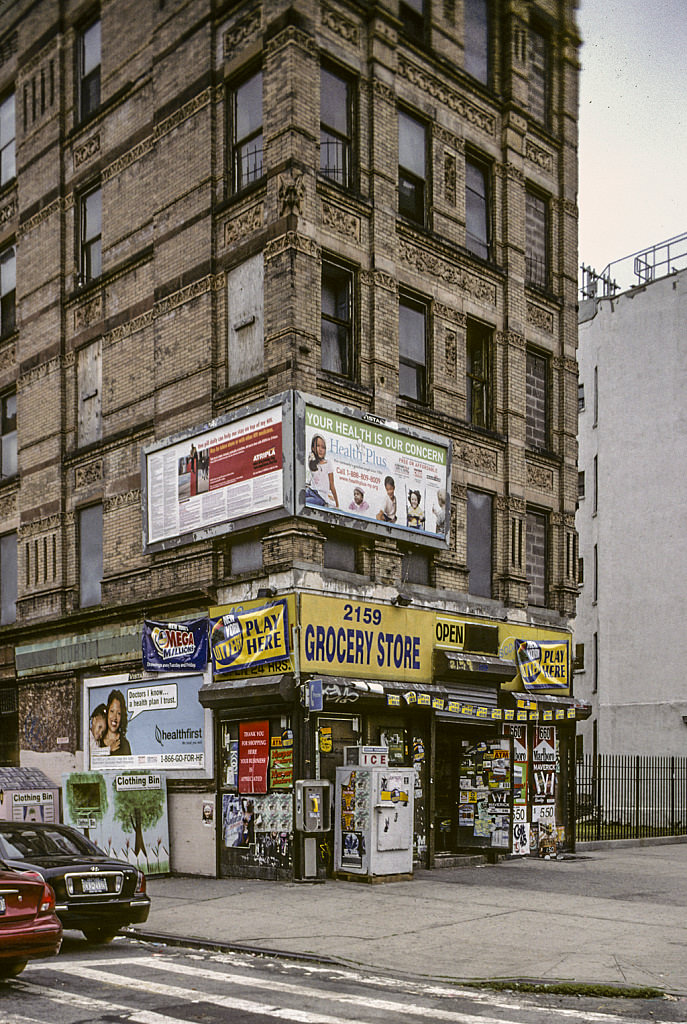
<point x="358" y="213"/>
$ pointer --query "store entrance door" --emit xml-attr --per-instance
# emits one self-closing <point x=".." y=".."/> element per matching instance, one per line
<point x="446" y="787"/>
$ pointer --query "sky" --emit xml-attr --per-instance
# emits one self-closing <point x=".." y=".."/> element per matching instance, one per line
<point x="633" y="126"/>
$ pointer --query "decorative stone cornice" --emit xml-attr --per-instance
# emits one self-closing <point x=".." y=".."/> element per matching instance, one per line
<point x="8" y="356"/>
<point x="8" y="507"/>
<point x="383" y="92"/>
<point x="127" y="159"/>
<point x="124" y="500"/>
<point x="509" y="503"/>
<point x="446" y="312"/>
<point x="447" y="138"/>
<point x="292" y="240"/>
<point x="339" y="25"/>
<point x="429" y="263"/>
<point x="39" y="526"/>
<point x="540" y="318"/>
<point x="441" y="92"/>
<point x="289" y="35"/>
<point x="41" y="216"/>
<point x="38" y="373"/>
<point x="341" y="221"/>
<point x="245" y="223"/>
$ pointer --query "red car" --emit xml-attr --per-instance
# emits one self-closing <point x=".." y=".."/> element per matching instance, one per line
<point x="29" y="927"/>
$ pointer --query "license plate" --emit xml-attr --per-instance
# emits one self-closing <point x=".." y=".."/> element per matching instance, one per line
<point x="3" y="905"/>
<point x="94" y="884"/>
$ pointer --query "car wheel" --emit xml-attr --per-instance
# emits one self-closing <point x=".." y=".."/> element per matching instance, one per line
<point x="13" y="969"/>
<point x="99" y="935"/>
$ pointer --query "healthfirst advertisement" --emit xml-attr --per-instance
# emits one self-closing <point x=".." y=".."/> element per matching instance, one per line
<point x="124" y="813"/>
<point x="253" y="638"/>
<point x="362" y="471"/>
<point x="152" y="723"/>
<point x="379" y="641"/>
<point x="214" y="477"/>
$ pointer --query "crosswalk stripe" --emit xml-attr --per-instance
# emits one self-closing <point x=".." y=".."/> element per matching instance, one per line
<point x="302" y="990"/>
<point x="282" y="1013"/>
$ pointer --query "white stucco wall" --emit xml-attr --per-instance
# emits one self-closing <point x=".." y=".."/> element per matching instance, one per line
<point x="638" y="343"/>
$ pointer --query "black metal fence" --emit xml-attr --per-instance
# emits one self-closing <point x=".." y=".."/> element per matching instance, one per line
<point x="626" y="797"/>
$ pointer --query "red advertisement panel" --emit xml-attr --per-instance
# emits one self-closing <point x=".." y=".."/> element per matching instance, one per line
<point x="250" y="454"/>
<point x="254" y="756"/>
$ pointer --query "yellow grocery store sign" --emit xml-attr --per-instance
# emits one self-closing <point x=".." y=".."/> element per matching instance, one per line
<point x="360" y="638"/>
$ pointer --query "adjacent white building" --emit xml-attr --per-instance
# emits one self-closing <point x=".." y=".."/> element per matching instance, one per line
<point x="632" y="517"/>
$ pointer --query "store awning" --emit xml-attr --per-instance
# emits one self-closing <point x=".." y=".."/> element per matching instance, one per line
<point x="225" y="692"/>
<point x="548" y="705"/>
<point x="486" y="667"/>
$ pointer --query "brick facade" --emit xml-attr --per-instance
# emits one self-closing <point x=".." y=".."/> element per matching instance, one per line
<point x="173" y="231"/>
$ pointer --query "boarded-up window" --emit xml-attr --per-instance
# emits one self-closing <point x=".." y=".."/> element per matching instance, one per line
<point x="90" y="555"/>
<point x="479" y="532"/>
<point x="90" y="393"/>
<point x="536" y="557"/>
<point x="245" y="357"/>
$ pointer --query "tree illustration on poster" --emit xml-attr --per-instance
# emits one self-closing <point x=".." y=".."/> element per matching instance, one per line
<point x="137" y="810"/>
<point x="86" y="795"/>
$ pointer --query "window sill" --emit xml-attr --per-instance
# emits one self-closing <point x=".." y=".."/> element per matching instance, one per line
<point x="8" y="482"/>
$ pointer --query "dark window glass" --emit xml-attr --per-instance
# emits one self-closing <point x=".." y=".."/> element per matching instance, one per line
<point x="91" y="235"/>
<point x="412" y="16"/>
<point x="477" y="209"/>
<point x="339" y="554"/>
<point x="8" y="578"/>
<point x="536" y="386"/>
<point x="337" y="320"/>
<point x="7" y="133"/>
<point x="89" y="70"/>
<point x="476" y="28"/>
<point x="479" y="541"/>
<point x="580" y="483"/>
<point x="538" y="83"/>
<point x="90" y="555"/>
<point x="8" y="435"/>
<point x="478" y="363"/>
<point x="415" y="567"/>
<point x="247" y="132"/>
<point x="335" y="127"/>
<point x="8" y="291"/>
<point x="536" y="241"/>
<point x="536" y="558"/>
<point x="412" y="349"/>
<point x="580" y="397"/>
<point x="412" y="158"/>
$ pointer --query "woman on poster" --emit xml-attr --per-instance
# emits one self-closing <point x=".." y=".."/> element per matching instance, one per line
<point x="320" y="489"/>
<point x="115" y="736"/>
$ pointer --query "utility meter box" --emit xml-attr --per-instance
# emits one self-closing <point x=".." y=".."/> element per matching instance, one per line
<point x="313" y="805"/>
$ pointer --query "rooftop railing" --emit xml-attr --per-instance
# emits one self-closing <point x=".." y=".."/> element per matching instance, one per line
<point x="637" y="269"/>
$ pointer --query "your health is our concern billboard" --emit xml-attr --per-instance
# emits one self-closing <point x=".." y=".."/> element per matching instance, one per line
<point x="210" y="479"/>
<point x="368" y="472"/>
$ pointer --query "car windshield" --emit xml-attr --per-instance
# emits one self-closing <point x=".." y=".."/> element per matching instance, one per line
<point x="26" y="843"/>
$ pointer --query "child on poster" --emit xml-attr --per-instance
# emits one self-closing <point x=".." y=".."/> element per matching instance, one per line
<point x="388" y="512"/>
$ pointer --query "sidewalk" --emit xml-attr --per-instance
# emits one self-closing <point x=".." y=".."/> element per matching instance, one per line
<point x="606" y="917"/>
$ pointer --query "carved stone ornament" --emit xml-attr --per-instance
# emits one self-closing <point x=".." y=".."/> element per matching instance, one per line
<point x="292" y="240"/>
<point x="428" y="263"/>
<point x="341" y="26"/>
<point x="89" y="312"/>
<point x="539" y="477"/>
<point x="540" y="318"/>
<point x="538" y="156"/>
<point x="240" y="33"/>
<point x="341" y="221"/>
<point x="441" y="92"/>
<point x="86" y="150"/>
<point x="125" y="500"/>
<point x="476" y="457"/>
<point x="291" y="194"/>
<point x="89" y="473"/>
<point x="243" y="224"/>
<point x="8" y="211"/>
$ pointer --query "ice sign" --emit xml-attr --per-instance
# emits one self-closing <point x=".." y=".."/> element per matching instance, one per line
<point x="151" y="698"/>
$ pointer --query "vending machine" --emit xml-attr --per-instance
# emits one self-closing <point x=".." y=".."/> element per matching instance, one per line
<point x="373" y="820"/>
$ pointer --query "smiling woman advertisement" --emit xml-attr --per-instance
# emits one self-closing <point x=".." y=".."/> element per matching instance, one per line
<point x="117" y="720"/>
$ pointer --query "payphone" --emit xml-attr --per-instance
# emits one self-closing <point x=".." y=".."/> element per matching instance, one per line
<point x="313" y="817"/>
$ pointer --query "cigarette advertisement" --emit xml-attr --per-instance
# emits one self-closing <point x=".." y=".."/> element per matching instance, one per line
<point x="368" y="472"/>
<point x="213" y="478"/>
